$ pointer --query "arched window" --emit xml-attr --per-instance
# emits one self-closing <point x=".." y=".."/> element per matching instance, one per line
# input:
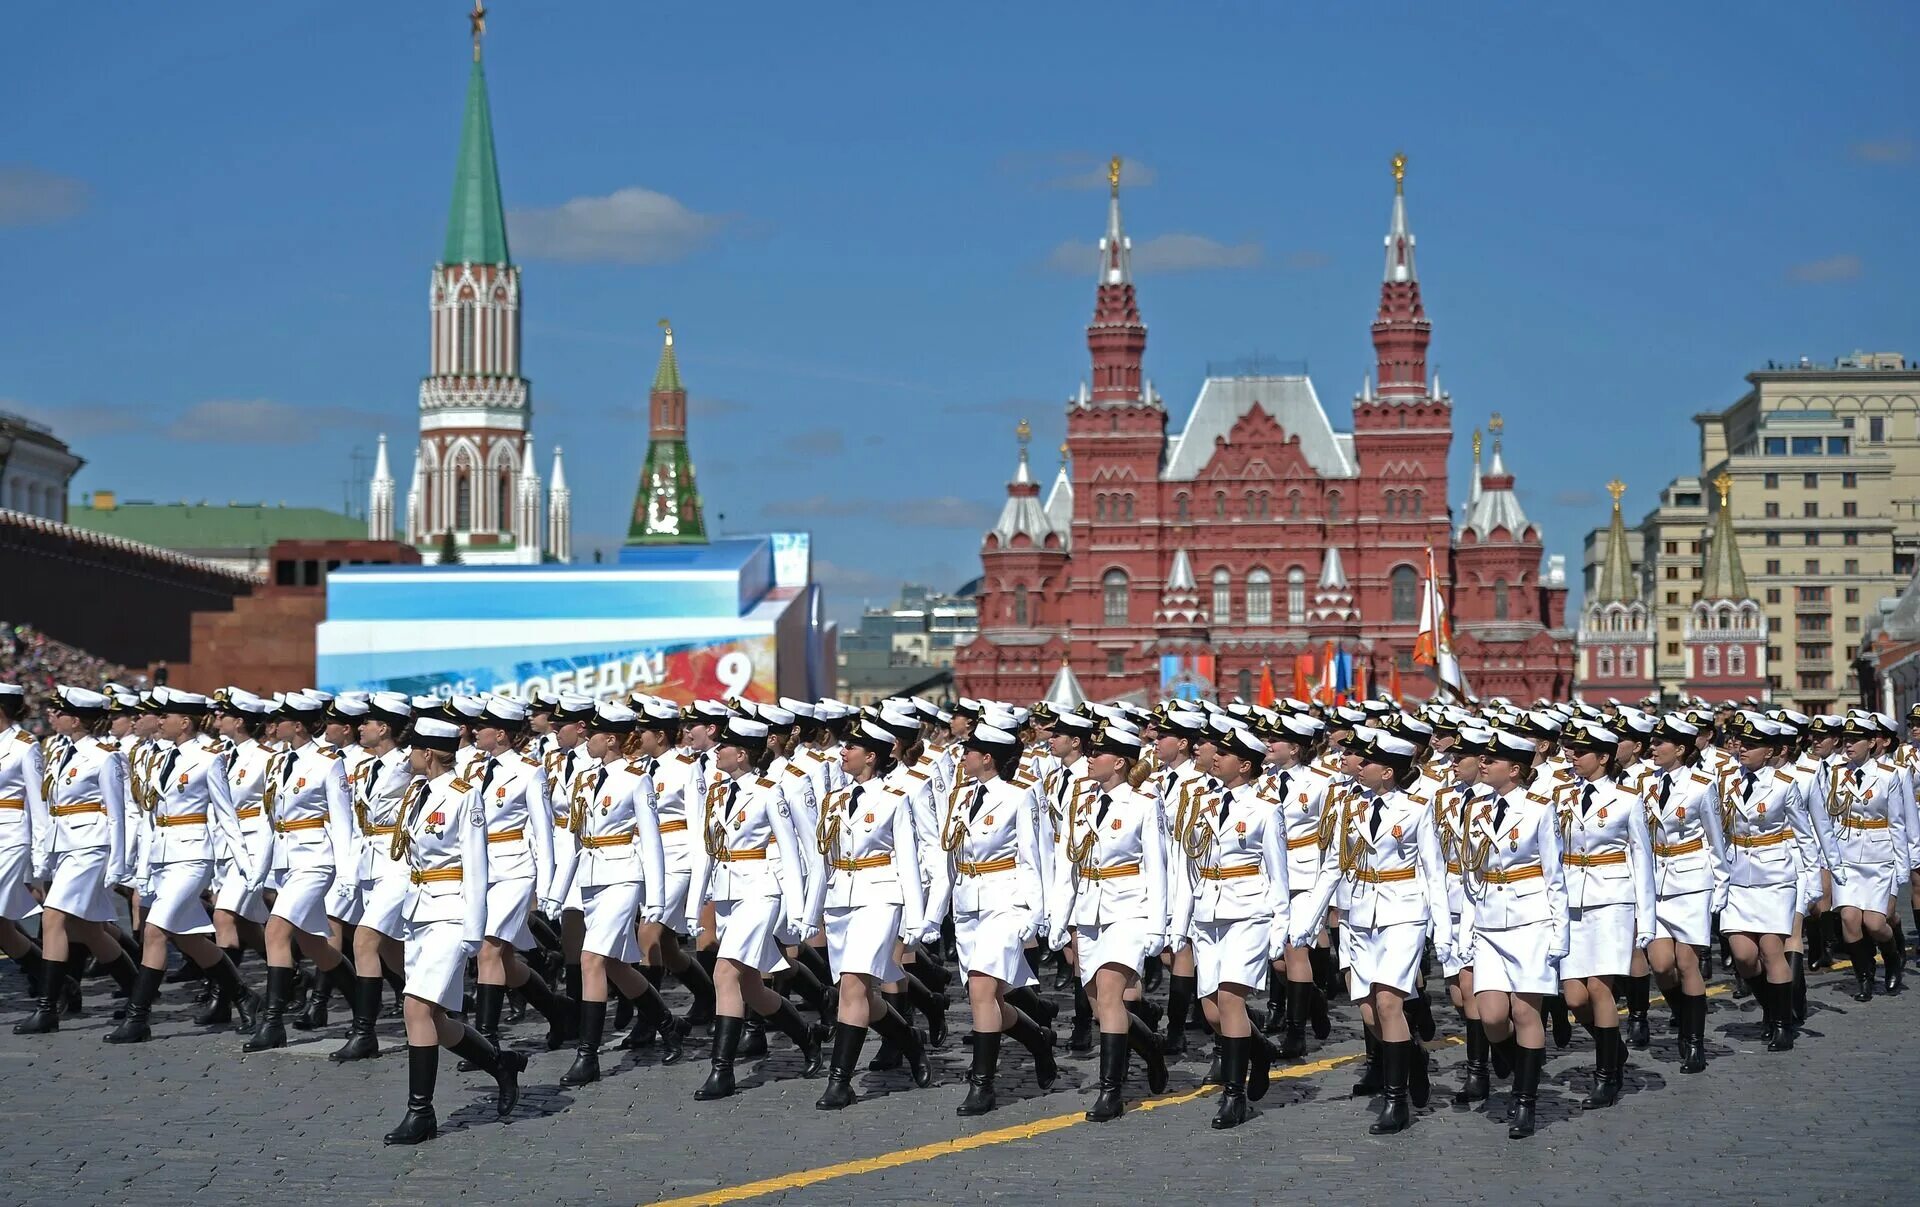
<point x="1405" y="585"/>
<point x="1222" y="596"/>
<point x="1245" y="679"/>
<point x="1099" y="507"/>
<point x="1710" y="660"/>
<point x="1736" y="660"/>
<point x="1629" y="663"/>
<point x="463" y="325"/>
<point x="1113" y="423"/>
<point x="1296" y="595"/>
<point x="1020" y="605"/>
<point x="503" y="518"/>
<point x="1606" y="663"/>
<point x="1419" y="502"/>
<point x="1499" y="599"/>
<point x="463" y="502"/>
<point x="1259" y="597"/>
<point x="1261" y="503"/>
<point x="1333" y="505"/>
<point x="1129" y="505"/>
<point x="1113" y="590"/>
<point x="1250" y="511"/>
<point x="1393" y="502"/>
<point x="1180" y="508"/>
<point x="1293" y="504"/>
<point x="1219" y="504"/>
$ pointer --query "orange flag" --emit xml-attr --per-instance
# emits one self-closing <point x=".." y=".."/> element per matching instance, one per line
<point x="1393" y="682"/>
<point x="1303" y="677"/>
<point x="1266" y="696"/>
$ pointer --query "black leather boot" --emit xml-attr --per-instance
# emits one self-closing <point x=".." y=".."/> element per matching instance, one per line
<point x="1370" y="1082"/>
<point x="1893" y="956"/>
<point x="362" y="1043"/>
<point x="1395" y="1065"/>
<point x="1147" y="1043"/>
<point x="1607" y="1051"/>
<point x="697" y="976"/>
<point x="1562" y="1023"/>
<point x="1275" y="1020"/>
<point x="1779" y="1001"/>
<point x="1233" y="1081"/>
<point x="1693" y="1032"/>
<point x="562" y="1014"/>
<point x="1419" y="1088"/>
<point x="646" y="1027"/>
<point x="1862" y="952"/>
<point x="135" y="1029"/>
<point x="1029" y="1002"/>
<point x="504" y="1063"/>
<point x="239" y="1005"/>
<point x="1797" y="961"/>
<point x="419" y="1124"/>
<point x="1293" y="1041"/>
<point x="1757" y="989"/>
<point x="1111" y="1103"/>
<point x="1527" y="1063"/>
<point x="847" y="1042"/>
<point x="986" y="1064"/>
<point x="932" y="1006"/>
<point x="319" y="1003"/>
<point x="586" y="1054"/>
<point x="1080" y="1039"/>
<point x="1317" y="1015"/>
<point x="1639" y="1001"/>
<point x="1500" y="1056"/>
<point x="1473" y="1087"/>
<point x="1214" y="1070"/>
<point x="1814" y="933"/>
<point x="1259" y="1067"/>
<point x="753" y="1038"/>
<point x="726" y="1046"/>
<point x="893" y="1027"/>
<point x="1180" y="993"/>
<point x="1039" y="1043"/>
<point x="487" y="1003"/>
<point x="1419" y="1009"/>
<point x="272" y="1031"/>
<point x="652" y="1015"/>
<point x="53" y="997"/>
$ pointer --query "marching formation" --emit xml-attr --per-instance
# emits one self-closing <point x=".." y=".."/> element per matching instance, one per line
<point x="479" y="857"/>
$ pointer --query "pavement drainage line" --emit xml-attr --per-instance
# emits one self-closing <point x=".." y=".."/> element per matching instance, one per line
<point x="801" y="1179"/>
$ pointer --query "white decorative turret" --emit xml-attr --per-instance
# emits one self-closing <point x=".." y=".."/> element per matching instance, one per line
<point x="1333" y="597"/>
<point x="415" y="528"/>
<point x="1180" y="603"/>
<point x="1064" y="694"/>
<point x="559" y="513"/>
<point x="526" y="510"/>
<point x="380" y="497"/>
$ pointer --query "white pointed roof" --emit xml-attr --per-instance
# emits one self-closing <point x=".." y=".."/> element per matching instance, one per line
<point x="1496" y="506"/>
<point x="1180" y="577"/>
<point x="526" y="460"/>
<point x="1333" y="576"/>
<point x="419" y="474"/>
<point x="1023" y="513"/>
<point x="1290" y="401"/>
<point x="559" y="479"/>
<point x="1399" y="242"/>
<point x="1059" y="506"/>
<point x="1116" y="250"/>
<point x="1065" y="693"/>
<point x="382" y="472"/>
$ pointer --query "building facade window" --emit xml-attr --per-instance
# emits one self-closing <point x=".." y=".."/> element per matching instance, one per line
<point x="1180" y="512"/>
<point x="1245" y="680"/>
<point x="1605" y="662"/>
<point x="1629" y="663"/>
<point x="1116" y="663"/>
<point x="1259" y="597"/>
<point x="1404" y="583"/>
<point x="1499" y="599"/>
<point x="1020" y="605"/>
<point x="1333" y="505"/>
<point x="1113" y="589"/>
<point x="1736" y="660"/>
<point x="1296" y="595"/>
<point x="1710" y="661"/>
<point x="463" y="502"/>
<point x="1222" y="596"/>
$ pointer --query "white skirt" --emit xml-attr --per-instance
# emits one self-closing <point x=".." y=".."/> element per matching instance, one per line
<point x="861" y="939"/>
<point x="436" y="962"/>
<point x="610" y="910"/>
<point x="1382" y="955"/>
<point x="79" y="886"/>
<point x="1684" y="918"/>
<point x="508" y="904"/>
<point x="1515" y="960"/>
<point x="383" y="900"/>
<point x="1121" y="942"/>
<point x="1456" y="961"/>
<point x="345" y="901"/>
<point x="674" y="890"/>
<point x="1231" y="953"/>
<point x="746" y="932"/>
<point x="1599" y="942"/>
<point x="1758" y="909"/>
<point x="302" y="899"/>
<point x="1866" y="887"/>
<point x="175" y="905"/>
<point x="16" y="865"/>
<point x="989" y="943"/>
<point x="230" y="895"/>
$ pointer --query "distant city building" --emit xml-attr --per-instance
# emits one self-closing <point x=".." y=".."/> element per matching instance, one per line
<point x="1259" y="534"/>
<point x="1823" y="469"/>
<point x="36" y="468"/>
<point x="907" y="649"/>
<point x="473" y="470"/>
<point x="234" y="536"/>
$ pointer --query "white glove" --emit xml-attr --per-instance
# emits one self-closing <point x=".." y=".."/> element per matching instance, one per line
<point x="929" y="934"/>
<point x="1443" y="952"/>
<point x="1839" y="873"/>
<point x="650" y="914"/>
<point x="551" y="908"/>
<point x="1720" y="893"/>
<point x="1302" y="938"/>
<point x="469" y="948"/>
<point x="1061" y="936"/>
<point x="1031" y="926"/>
<point x="1276" y="940"/>
<point x="1557" y="949"/>
<point x="1640" y="941"/>
<point x="693" y="930"/>
<point x="1154" y="946"/>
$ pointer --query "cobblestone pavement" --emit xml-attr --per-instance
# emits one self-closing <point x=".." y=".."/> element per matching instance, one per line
<point x="188" y="1119"/>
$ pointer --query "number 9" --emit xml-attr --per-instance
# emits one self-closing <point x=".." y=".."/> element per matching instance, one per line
<point x="735" y="672"/>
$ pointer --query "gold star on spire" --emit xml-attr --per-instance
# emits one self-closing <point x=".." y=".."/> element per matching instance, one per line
<point x="1113" y="175"/>
<point x="1616" y="488"/>
<point x="478" y="20"/>
<point x="1496" y="425"/>
<point x="1723" y="484"/>
<point x="1025" y="433"/>
<point x="1063" y="454"/>
<point x="1399" y="171"/>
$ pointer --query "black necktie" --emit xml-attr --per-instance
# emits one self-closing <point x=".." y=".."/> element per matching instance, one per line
<point x="1379" y="807"/>
<point x="598" y="780"/>
<point x="1666" y="787"/>
<point x="1499" y="815"/>
<point x="1226" y="801"/>
<point x="1746" y="794"/>
<point x="566" y="769"/>
<point x="493" y="765"/>
<point x="853" y="799"/>
<point x="1586" y="800"/>
<point x="1286" y="777"/>
<point x="166" y="769"/>
<point x="73" y="748"/>
<point x="979" y="798"/>
<point x="700" y="766"/>
<point x="286" y="768"/>
<point x="1106" y="802"/>
<point x="733" y="794"/>
<point x="1859" y="773"/>
<point x="1173" y="777"/>
<point x="653" y="766"/>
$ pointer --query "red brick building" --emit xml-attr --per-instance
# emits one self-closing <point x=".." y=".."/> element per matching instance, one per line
<point x="1258" y="532"/>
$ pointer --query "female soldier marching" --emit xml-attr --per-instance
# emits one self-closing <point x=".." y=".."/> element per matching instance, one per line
<point x="1690" y="868"/>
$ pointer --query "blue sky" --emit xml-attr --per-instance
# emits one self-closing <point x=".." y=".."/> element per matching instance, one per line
<point x="217" y="222"/>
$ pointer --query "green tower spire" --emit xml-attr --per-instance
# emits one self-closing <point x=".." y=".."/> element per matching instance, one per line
<point x="476" y="223"/>
<point x="1616" y="583"/>
<point x="666" y="508"/>
<point x="1725" y="578"/>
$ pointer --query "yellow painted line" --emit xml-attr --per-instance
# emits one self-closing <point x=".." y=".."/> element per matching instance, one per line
<point x="945" y="1148"/>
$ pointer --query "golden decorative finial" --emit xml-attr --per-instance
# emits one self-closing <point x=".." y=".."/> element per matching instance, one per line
<point x="1616" y="488"/>
<point x="1024" y="432"/>
<point x="1063" y="454"/>
<point x="478" y="19"/>
<point x="1723" y="484"/>
<point x="1476" y="444"/>
<point x="1113" y="175"/>
<point x="1496" y="425"/>
<point x="1399" y="170"/>
<point x="668" y="328"/>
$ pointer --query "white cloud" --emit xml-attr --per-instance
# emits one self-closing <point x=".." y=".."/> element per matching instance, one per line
<point x="262" y="421"/>
<point x="1177" y="252"/>
<point x="1888" y="150"/>
<point x="32" y="197"/>
<point x="1843" y="267"/>
<point x="630" y="226"/>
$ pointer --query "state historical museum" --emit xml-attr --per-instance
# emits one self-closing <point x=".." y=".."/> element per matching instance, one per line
<point x="1187" y="562"/>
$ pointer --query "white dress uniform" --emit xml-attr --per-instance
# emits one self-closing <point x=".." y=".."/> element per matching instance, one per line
<point x="1770" y="839"/>
<point x="1230" y="891"/>
<point x="1177" y="789"/>
<point x="345" y="900"/>
<point x="1608" y="862"/>
<point x="1690" y="866"/>
<point x="1516" y="917"/>
<point x="23" y="813"/>
<point x="442" y="840"/>
<point x="564" y="771"/>
<point x="796" y="792"/>
<point x="1386" y="853"/>
<point x="309" y="811"/>
<point x="378" y="791"/>
<point x="750" y="868"/>
<point x="84" y="848"/>
<point x="246" y="771"/>
<point x="678" y="794"/>
<point x="616" y="860"/>
<point x="1870" y="836"/>
<point x="1453" y="808"/>
<point x="922" y="805"/>
<point x="1110" y="879"/>
<point x="874" y="897"/>
<point x="191" y="817"/>
<point x="993" y="877"/>
<point x="520" y="843"/>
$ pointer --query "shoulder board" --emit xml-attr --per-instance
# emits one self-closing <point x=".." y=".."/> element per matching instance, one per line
<point x="765" y="783"/>
<point x="1416" y="798"/>
<point x="1781" y="775"/>
<point x="685" y="758"/>
<point x="1021" y="781"/>
<point x="333" y="753"/>
<point x="793" y="770"/>
<point x="109" y="745"/>
<point x="26" y="739"/>
<point x="1702" y="779"/>
<point x="892" y="789"/>
<point x="813" y="754"/>
<point x="916" y="774"/>
<point x="1562" y="774"/>
<point x="460" y="785"/>
<point x="1538" y="799"/>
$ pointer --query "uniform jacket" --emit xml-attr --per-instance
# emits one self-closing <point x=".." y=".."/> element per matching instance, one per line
<point x="1605" y="849"/>
<point x="990" y="854"/>
<point x="520" y="820"/>
<point x="1240" y="872"/>
<point x="750" y="851"/>
<point x="1105" y="833"/>
<point x="378" y="786"/>
<point x="23" y="809"/>
<point x="443" y="841"/>
<point x="871" y="855"/>
<point x="1683" y="821"/>
<point x="1393" y="872"/>
<point x="1770" y="837"/>
<point x="1511" y="866"/>
<point x="615" y="830"/>
<point x="309" y="807"/>
<point x="1869" y="817"/>
<point x="192" y="814"/>
<point x="1301" y="793"/>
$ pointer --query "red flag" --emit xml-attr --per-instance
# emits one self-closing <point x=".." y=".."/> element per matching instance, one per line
<point x="1266" y="697"/>
<point x="1393" y="682"/>
<point x="1303" y="677"/>
<point x="1360" y="680"/>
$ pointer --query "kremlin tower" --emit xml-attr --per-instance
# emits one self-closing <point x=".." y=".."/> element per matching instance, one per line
<point x="666" y="508"/>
